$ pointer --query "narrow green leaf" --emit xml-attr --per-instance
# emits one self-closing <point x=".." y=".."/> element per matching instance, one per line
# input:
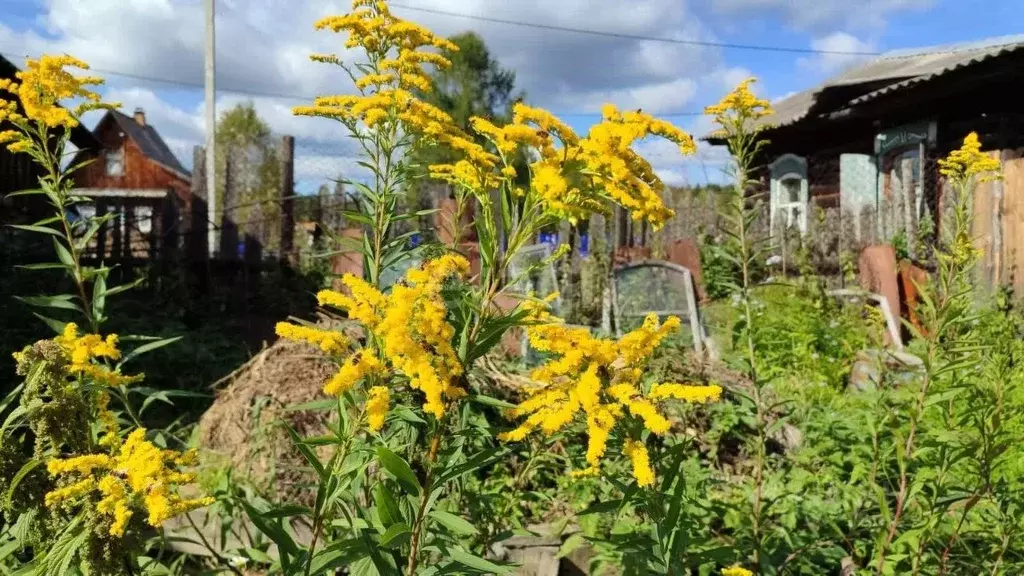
<point x="42" y="266"/>
<point x="30" y="192"/>
<point x="454" y="523"/>
<point x="287" y="511"/>
<point x="395" y="535"/>
<point x="307" y="452"/>
<point x="62" y="252"/>
<point x="476" y="562"/>
<point x="38" y="229"/>
<point x="16" y="480"/>
<point x="59" y="302"/>
<point x="55" y="325"/>
<point x="490" y="401"/>
<point x="99" y="295"/>
<point x="149" y="347"/>
<point x="387" y="508"/>
<point x="400" y="469"/>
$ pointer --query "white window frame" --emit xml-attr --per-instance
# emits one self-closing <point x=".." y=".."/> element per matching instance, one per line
<point x="776" y="204"/>
<point x="118" y="157"/>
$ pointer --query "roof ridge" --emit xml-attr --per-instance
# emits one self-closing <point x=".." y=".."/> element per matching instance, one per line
<point x="965" y="46"/>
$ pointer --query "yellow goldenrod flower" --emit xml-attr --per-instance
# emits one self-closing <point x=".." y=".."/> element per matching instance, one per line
<point x="70" y="492"/>
<point x="329" y="341"/>
<point x="377" y="407"/>
<point x="737" y="571"/>
<point x="740" y="104"/>
<point x="598" y="379"/>
<point x="138" y="475"/>
<point x="83" y="350"/>
<point x="691" y="394"/>
<point x="356" y="367"/>
<point x="968" y="161"/>
<point x="411" y="328"/>
<point x="637" y="454"/>
<point x="43" y="89"/>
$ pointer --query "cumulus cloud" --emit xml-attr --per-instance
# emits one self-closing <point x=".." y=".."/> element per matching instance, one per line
<point x="263" y="47"/>
<point x="838" y="52"/>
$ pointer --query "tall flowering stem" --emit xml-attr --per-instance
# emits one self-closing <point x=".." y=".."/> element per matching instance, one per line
<point x="423" y="334"/>
<point x="945" y="312"/>
<point x="97" y="484"/>
<point x="52" y="99"/>
<point x="741" y="116"/>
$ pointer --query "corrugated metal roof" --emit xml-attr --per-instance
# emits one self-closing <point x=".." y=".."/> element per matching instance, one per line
<point x="933" y="65"/>
<point x="903" y="67"/>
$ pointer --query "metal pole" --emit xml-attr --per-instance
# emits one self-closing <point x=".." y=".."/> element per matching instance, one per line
<point x="211" y="124"/>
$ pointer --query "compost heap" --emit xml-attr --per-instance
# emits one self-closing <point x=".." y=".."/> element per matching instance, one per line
<point x="246" y="423"/>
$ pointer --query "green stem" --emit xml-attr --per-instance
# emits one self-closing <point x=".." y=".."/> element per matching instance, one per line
<point x="206" y="544"/>
<point x="413" y="560"/>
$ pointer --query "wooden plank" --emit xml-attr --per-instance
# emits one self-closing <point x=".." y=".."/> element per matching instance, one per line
<point x="1013" y="221"/>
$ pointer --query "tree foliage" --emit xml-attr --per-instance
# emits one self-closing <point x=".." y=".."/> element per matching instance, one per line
<point x="248" y="161"/>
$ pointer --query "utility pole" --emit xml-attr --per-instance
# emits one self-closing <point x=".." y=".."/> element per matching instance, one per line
<point x="211" y="126"/>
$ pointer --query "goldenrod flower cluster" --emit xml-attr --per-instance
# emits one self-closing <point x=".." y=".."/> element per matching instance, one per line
<point x="598" y="380"/>
<point x="410" y="335"/>
<point x="81" y="351"/>
<point x="740" y="104"/>
<point x="969" y="161"/>
<point x="386" y="84"/>
<point x="329" y="341"/>
<point x="42" y="87"/>
<point x="573" y="176"/>
<point x="377" y="407"/>
<point x="135" y="475"/>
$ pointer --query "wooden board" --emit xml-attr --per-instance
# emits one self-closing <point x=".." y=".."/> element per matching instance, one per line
<point x="982" y="230"/>
<point x="1012" y="255"/>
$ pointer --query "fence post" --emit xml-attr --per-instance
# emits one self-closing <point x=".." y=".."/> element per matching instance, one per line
<point x="228" y="227"/>
<point x="198" y="218"/>
<point x="287" y="192"/>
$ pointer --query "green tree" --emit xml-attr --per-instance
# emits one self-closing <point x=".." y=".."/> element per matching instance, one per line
<point x="246" y="144"/>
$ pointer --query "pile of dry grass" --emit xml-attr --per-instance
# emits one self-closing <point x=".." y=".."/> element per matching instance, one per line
<point x="245" y="424"/>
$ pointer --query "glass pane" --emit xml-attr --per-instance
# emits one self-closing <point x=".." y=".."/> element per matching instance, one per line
<point x="790" y="191"/>
<point x="144" y="219"/>
<point x="643" y="289"/>
<point x="794" y="216"/>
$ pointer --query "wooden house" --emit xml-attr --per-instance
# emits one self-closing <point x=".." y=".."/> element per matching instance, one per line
<point x="867" y="142"/>
<point x="134" y="173"/>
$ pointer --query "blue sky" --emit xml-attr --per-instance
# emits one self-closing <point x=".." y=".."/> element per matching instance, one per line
<point x="262" y="46"/>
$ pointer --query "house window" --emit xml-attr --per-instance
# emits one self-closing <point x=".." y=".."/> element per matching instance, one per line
<point x="144" y="219"/>
<point x="790" y="202"/>
<point x="789" y="193"/>
<point x="115" y="162"/>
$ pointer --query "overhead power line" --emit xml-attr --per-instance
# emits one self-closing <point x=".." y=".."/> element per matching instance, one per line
<point x="280" y="95"/>
<point x="556" y="28"/>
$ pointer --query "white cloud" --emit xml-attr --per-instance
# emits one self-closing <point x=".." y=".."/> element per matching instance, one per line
<point x="263" y="46"/>
<point x="837" y="53"/>
<point x="663" y="98"/>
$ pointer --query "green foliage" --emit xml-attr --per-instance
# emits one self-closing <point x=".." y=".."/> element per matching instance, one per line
<point x="245" y="142"/>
